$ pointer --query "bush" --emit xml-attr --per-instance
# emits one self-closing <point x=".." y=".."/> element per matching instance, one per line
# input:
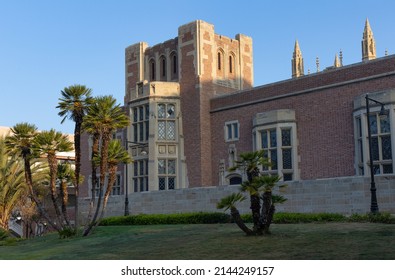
<point x="3" y="234"/>
<point x="156" y="219"/>
<point x="385" y="218"/>
<point x="214" y="218"/>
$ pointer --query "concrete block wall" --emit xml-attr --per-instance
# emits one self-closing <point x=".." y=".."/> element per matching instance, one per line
<point x="345" y="195"/>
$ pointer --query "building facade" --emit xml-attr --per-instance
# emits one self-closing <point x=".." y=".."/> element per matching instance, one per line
<point x="193" y="110"/>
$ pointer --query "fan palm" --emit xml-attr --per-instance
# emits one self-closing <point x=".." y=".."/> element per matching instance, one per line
<point x="103" y="119"/>
<point x="251" y="162"/>
<point x="73" y="105"/>
<point x="116" y="155"/>
<point x="48" y="143"/>
<point x="20" y="144"/>
<point x="65" y="175"/>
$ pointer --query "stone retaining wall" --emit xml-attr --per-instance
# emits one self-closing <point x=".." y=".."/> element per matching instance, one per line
<point x="346" y="195"/>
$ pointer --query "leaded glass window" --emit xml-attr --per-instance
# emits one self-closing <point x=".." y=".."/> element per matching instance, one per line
<point x="167" y="174"/>
<point x="277" y="143"/>
<point x="140" y="175"/>
<point x="166" y="122"/>
<point x="140" y="123"/>
<point x="381" y="143"/>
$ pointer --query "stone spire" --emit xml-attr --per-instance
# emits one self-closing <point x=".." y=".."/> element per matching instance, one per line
<point x="337" y="63"/>
<point x="368" y="43"/>
<point x="297" y="62"/>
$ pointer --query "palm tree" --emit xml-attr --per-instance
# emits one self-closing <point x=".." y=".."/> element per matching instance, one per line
<point x="20" y="144"/>
<point x="116" y="155"/>
<point x="12" y="184"/>
<point x="103" y="119"/>
<point x="73" y="105"/>
<point x="251" y="162"/>
<point x="48" y="143"/>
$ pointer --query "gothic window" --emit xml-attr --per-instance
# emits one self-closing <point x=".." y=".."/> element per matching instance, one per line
<point x="219" y="58"/>
<point x="163" y="68"/>
<point x="275" y="133"/>
<point x="166" y="122"/>
<point x="140" y="175"/>
<point x="152" y="69"/>
<point x="382" y="151"/>
<point x="230" y="64"/>
<point x="174" y="66"/>
<point x="140" y="123"/>
<point x="166" y="174"/>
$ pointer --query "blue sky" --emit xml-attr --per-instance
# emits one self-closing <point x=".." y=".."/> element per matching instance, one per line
<point x="48" y="45"/>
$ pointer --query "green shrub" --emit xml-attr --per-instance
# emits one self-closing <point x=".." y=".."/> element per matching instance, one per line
<point x="155" y="219"/>
<point x="385" y="218"/>
<point x="67" y="233"/>
<point x="213" y="218"/>
<point x="3" y="234"/>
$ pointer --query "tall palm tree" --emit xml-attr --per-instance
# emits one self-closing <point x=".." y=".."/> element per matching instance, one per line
<point x="73" y="105"/>
<point x="20" y="143"/>
<point x="12" y="184"/>
<point x="48" y="143"/>
<point x="103" y="119"/>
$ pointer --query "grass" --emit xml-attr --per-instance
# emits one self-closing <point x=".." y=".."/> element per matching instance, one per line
<point x="214" y="241"/>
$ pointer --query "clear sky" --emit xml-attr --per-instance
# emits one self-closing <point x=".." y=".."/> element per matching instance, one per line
<point x="46" y="45"/>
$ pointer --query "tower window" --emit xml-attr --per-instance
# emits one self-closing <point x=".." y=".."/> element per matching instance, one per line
<point x="219" y="61"/>
<point x="152" y="70"/>
<point x="230" y="64"/>
<point x="163" y="68"/>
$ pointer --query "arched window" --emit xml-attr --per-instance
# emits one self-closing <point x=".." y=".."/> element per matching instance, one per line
<point x="174" y="66"/>
<point x="163" y="68"/>
<point x="152" y="70"/>
<point x="219" y="57"/>
<point x="230" y="64"/>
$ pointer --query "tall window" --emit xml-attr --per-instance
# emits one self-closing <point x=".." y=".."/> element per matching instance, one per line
<point x="116" y="189"/>
<point x="167" y="174"/>
<point x="219" y="60"/>
<point x="140" y="175"/>
<point x="152" y="70"/>
<point x="163" y="68"/>
<point x="141" y="123"/>
<point x="275" y="133"/>
<point x="174" y="66"/>
<point x="230" y="64"/>
<point x="277" y="144"/>
<point x="381" y="144"/>
<point x="232" y="131"/>
<point x="166" y="122"/>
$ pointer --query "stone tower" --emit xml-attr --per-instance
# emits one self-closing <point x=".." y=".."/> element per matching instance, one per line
<point x="297" y="62"/>
<point x="368" y="43"/>
<point x="168" y="91"/>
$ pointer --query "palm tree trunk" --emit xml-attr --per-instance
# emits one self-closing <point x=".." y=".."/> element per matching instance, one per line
<point x="111" y="181"/>
<point x="64" y="195"/>
<point x="95" y="151"/>
<point x="77" y="148"/>
<point x="53" y="170"/>
<point x="29" y="182"/>
<point x="239" y="222"/>
<point x="267" y="212"/>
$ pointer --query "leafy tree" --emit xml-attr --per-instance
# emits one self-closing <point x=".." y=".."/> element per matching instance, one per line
<point x="259" y="186"/>
<point x="12" y="184"/>
<point x="103" y="119"/>
<point x="20" y="144"/>
<point x="48" y="143"/>
<point x="73" y="105"/>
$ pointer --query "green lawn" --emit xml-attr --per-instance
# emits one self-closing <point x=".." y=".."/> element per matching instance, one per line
<point x="215" y="241"/>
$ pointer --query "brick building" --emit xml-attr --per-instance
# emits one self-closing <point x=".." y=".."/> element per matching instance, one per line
<point x="194" y="109"/>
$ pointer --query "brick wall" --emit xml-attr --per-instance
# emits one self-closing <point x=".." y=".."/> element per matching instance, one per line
<point x="323" y="105"/>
